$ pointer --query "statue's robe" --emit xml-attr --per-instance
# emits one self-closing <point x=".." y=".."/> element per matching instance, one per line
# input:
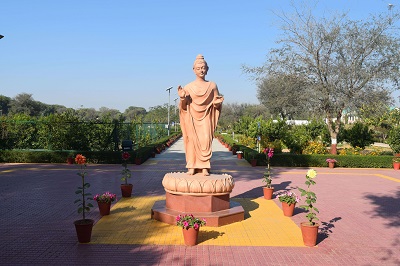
<point x="199" y="114"/>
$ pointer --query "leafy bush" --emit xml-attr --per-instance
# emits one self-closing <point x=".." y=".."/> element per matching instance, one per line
<point x="276" y="145"/>
<point x="359" y="135"/>
<point x="394" y="139"/>
<point x="315" y="147"/>
<point x="247" y="141"/>
<point x="350" y="151"/>
<point x="296" y="139"/>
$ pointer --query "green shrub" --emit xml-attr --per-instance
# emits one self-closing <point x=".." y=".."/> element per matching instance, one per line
<point x="296" y="139"/>
<point x="100" y="157"/>
<point x="359" y="135"/>
<point x="394" y="139"/>
<point x="315" y="147"/>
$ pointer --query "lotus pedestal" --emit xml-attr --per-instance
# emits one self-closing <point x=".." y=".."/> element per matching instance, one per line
<point x="205" y="197"/>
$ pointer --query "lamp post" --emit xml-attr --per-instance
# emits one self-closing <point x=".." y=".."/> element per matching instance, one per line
<point x="175" y="112"/>
<point x="169" y="99"/>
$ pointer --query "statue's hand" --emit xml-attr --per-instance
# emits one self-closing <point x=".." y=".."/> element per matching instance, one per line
<point x="218" y="100"/>
<point x="181" y="92"/>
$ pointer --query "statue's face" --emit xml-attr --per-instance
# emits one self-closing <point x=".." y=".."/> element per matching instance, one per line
<point x="200" y="69"/>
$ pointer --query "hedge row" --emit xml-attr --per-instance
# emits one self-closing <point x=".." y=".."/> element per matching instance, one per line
<point x="100" y="157"/>
<point x="314" y="160"/>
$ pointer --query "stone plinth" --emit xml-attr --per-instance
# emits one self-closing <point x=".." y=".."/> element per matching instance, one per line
<point x="234" y="214"/>
<point x="201" y="203"/>
<point x="203" y="196"/>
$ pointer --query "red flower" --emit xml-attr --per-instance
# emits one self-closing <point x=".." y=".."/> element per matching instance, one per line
<point x="80" y="159"/>
<point x="125" y="156"/>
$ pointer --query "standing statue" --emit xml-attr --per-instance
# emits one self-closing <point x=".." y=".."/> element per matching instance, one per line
<point x="199" y="110"/>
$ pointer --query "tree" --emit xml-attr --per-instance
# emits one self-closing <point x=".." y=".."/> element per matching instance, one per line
<point x="23" y="103"/>
<point x="343" y="63"/>
<point x="4" y="104"/>
<point x="282" y="96"/>
<point x="132" y="113"/>
<point x="157" y="114"/>
<point x="232" y="113"/>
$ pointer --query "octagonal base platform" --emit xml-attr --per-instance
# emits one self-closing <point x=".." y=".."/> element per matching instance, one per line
<point x="203" y="196"/>
<point x="235" y="213"/>
<point x="190" y="203"/>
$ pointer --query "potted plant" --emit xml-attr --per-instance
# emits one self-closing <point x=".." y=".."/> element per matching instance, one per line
<point x="331" y="162"/>
<point x="396" y="163"/>
<point x="104" y="202"/>
<point x="190" y="227"/>
<point x="309" y="230"/>
<point x="83" y="226"/>
<point x="234" y="149"/>
<point x="126" y="189"/>
<point x="288" y="200"/>
<point x="268" y="189"/>
<point x="253" y="160"/>
<point x="239" y="154"/>
<point x="139" y="156"/>
<point x="70" y="158"/>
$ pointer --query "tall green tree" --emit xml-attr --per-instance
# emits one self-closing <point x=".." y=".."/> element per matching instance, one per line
<point x="4" y="104"/>
<point x="133" y="113"/>
<point x="343" y="63"/>
<point x="24" y="103"/>
<point x="283" y="96"/>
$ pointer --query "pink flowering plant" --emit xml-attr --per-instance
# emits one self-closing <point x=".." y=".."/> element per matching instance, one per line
<point x="269" y="152"/>
<point x="311" y="198"/>
<point x="106" y="197"/>
<point x="126" y="173"/>
<point x="189" y="221"/>
<point x="330" y="160"/>
<point x="289" y="197"/>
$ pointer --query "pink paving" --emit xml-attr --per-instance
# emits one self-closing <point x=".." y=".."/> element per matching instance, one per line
<point x="359" y="212"/>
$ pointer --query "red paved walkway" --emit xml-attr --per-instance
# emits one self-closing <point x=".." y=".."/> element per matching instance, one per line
<point x="359" y="211"/>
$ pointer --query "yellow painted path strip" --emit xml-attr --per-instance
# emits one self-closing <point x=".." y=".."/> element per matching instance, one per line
<point x="264" y="225"/>
<point x="388" y="177"/>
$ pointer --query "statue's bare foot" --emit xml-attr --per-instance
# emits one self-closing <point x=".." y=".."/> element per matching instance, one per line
<point x="191" y="171"/>
<point x="205" y="172"/>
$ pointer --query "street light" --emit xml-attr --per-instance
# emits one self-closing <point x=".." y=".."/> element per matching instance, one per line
<point x="169" y="98"/>
<point x="175" y="112"/>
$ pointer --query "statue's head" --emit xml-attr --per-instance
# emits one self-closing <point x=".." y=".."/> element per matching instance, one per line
<point x="200" y="60"/>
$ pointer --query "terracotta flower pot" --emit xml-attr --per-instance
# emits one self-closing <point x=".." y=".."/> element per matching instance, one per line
<point x="288" y="209"/>
<point x="309" y="233"/>
<point x="104" y="208"/>
<point x="268" y="192"/>
<point x="70" y="160"/>
<point x="240" y="155"/>
<point x="126" y="190"/>
<point x="331" y="165"/>
<point x="253" y="162"/>
<point x="190" y="236"/>
<point x="396" y="165"/>
<point x="83" y="229"/>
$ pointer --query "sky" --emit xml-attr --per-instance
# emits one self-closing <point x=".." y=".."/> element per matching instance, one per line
<point x="121" y="53"/>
